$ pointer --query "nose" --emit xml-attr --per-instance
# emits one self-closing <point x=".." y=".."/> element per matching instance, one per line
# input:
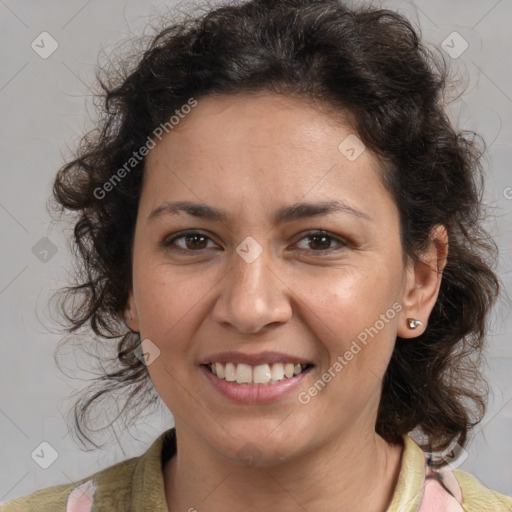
<point x="253" y="297"/>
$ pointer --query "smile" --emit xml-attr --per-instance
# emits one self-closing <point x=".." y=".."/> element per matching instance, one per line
<point x="263" y="374"/>
<point x="255" y="384"/>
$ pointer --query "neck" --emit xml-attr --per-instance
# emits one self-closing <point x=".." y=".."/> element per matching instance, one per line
<point x="356" y="472"/>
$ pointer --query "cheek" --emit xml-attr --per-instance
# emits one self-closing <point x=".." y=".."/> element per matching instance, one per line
<point x="170" y="311"/>
<point x="355" y="316"/>
<point x="348" y="301"/>
<point x="167" y="305"/>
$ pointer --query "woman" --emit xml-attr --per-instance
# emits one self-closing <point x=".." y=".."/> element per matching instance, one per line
<point x="280" y="224"/>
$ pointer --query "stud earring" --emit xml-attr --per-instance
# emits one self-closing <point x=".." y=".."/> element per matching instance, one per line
<point x="413" y="323"/>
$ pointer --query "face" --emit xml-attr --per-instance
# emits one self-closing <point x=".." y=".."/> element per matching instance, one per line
<point x="253" y="281"/>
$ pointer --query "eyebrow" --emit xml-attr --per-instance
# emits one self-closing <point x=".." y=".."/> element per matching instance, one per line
<point x="284" y="214"/>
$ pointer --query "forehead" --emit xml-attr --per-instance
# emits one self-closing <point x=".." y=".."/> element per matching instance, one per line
<point x="260" y="149"/>
<point x="275" y="123"/>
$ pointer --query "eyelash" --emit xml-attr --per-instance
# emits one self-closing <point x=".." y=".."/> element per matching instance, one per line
<point x="167" y="243"/>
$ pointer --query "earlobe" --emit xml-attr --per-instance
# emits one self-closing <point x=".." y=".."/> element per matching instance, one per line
<point x="130" y="313"/>
<point x="422" y="285"/>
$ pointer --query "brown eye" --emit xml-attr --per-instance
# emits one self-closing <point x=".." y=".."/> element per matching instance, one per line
<point x="192" y="241"/>
<point x="320" y="241"/>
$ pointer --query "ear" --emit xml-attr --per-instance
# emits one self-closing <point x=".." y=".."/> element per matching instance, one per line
<point x="423" y="282"/>
<point x="130" y="315"/>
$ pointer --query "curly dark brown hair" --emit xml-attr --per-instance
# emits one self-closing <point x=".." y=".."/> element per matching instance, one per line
<point x="364" y="61"/>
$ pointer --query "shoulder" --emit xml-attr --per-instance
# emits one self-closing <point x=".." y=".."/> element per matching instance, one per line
<point x="476" y="497"/>
<point x="424" y="488"/>
<point x="113" y="483"/>
<point x="133" y="484"/>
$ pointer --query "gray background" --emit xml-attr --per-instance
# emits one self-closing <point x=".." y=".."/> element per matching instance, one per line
<point x="44" y="105"/>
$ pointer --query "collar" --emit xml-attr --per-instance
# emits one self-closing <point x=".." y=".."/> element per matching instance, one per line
<point x="409" y="488"/>
<point x="148" y="494"/>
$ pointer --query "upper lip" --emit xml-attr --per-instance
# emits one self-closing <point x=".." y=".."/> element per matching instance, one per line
<point x="253" y="359"/>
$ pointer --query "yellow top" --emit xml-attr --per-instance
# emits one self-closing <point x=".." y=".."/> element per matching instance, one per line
<point x="137" y="485"/>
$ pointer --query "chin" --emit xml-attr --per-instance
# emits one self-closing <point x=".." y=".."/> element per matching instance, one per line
<point x="255" y="443"/>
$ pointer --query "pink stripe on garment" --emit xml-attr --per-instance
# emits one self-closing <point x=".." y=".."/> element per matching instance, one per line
<point x="81" y="499"/>
<point x="436" y="497"/>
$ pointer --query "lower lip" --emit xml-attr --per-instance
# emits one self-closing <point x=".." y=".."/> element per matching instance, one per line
<point x="254" y="393"/>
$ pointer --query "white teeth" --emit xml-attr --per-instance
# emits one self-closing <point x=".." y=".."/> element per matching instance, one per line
<point x="289" y="369"/>
<point x="277" y="371"/>
<point x="219" y="370"/>
<point x="262" y="374"/>
<point x="243" y="373"/>
<point x="230" y="372"/>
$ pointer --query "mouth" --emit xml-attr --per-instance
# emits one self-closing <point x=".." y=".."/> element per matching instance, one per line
<point x="255" y="384"/>
<point x="266" y="374"/>
<point x="258" y="378"/>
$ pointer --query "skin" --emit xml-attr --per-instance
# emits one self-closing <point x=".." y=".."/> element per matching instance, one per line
<point x="250" y="155"/>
